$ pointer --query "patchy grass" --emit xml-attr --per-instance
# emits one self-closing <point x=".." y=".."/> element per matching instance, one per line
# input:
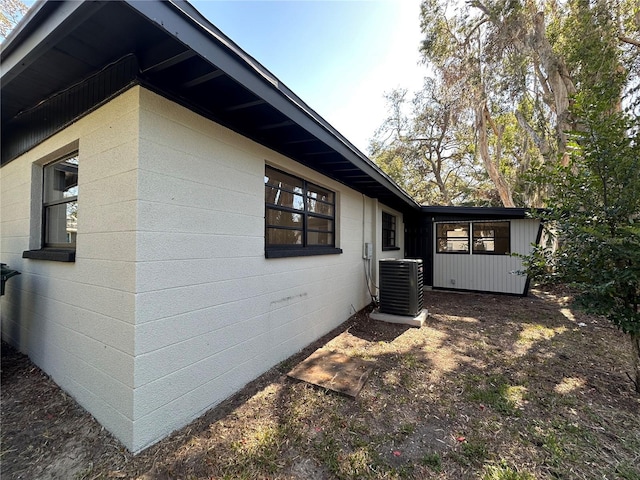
<point x="497" y="388"/>
<point x="503" y="471"/>
<point x="494" y="391"/>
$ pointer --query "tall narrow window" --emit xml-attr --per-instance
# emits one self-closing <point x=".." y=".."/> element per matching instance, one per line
<point x="299" y="216"/>
<point x="60" y="203"/>
<point x="388" y="231"/>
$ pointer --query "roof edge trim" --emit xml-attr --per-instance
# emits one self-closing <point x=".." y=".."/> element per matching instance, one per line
<point x="255" y="77"/>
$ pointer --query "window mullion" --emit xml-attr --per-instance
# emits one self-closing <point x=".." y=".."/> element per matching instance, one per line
<point x="315" y="219"/>
<point x="60" y="202"/>
<point x="305" y="220"/>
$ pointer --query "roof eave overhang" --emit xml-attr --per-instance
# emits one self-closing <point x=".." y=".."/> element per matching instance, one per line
<point x="481" y="213"/>
<point x="253" y="76"/>
<point x="43" y="24"/>
<point x="48" y="23"/>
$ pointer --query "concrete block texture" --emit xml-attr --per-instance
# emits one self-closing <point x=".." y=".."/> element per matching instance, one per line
<point x="171" y="305"/>
<point x="212" y="312"/>
<point x="76" y="320"/>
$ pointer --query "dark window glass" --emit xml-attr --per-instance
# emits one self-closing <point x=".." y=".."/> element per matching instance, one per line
<point x="315" y="206"/>
<point x="284" y="218"/>
<point x="60" y="203"/>
<point x="279" y="236"/>
<point x="282" y="181"/>
<point x="319" y="239"/>
<point x="491" y="238"/>
<point x="318" y="193"/>
<point x="283" y="198"/>
<point x="297" y="213"/>
<point x="452" y="237"/>
<point x="388" y="230"/>
<point x="322" y="224"/>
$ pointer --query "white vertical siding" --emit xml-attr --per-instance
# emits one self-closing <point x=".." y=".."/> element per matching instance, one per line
<point x="212" y="312"/>
<point x="76" y="320"/>
<point x="490" y="273"/>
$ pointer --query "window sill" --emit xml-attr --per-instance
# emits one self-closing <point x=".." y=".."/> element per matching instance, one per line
<point x="492" y="253"/>
<point x="388" y="249"/>
<point x="300" y="252"/>
<point x="51" y="254"/>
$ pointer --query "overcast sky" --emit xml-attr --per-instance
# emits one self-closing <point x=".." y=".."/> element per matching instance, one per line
<point x="339" y="57"/>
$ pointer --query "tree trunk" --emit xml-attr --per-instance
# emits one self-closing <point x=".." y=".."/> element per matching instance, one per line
<point x="635" y="344"/>
<point x="436" y="170"/>
<point x="541" y="143"/>
<point x="504" y="190"/>
<point x="558" y="79"/>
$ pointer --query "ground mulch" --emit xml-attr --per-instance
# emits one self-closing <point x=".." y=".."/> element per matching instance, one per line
<point x="492" y="387"/>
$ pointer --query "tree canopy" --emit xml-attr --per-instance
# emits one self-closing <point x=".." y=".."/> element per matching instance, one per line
<point x="10" y="14"/>
<point x="535" y="103"/>
<point x="512" y="69"/>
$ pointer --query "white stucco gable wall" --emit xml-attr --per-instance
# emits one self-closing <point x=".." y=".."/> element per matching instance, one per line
<point x="212" y="312"/>
<point x="76" y="320"/>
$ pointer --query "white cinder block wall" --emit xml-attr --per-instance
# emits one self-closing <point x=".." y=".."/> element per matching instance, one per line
<point x="170" y="306"/>
<point x="489" y="273"/>
<point x="76" y="320"/>
<point x="212" y="312"/>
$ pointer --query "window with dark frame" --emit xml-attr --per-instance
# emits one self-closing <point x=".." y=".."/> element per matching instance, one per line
<point x="452" y="237"/>
<point x="490" y="238"/>
<point x="299" y="215"/>
<point x="388" y="231"/>
<point x="60" y="203"/>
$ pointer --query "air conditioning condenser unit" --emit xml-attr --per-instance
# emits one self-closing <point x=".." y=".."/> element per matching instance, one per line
<point x="401" y="287"/>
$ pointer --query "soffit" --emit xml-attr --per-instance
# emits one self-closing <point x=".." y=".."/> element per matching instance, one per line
<point x="180" y="55"/>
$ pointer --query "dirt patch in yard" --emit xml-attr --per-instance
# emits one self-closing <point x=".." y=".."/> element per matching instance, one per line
<point x="490" y="387"/>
